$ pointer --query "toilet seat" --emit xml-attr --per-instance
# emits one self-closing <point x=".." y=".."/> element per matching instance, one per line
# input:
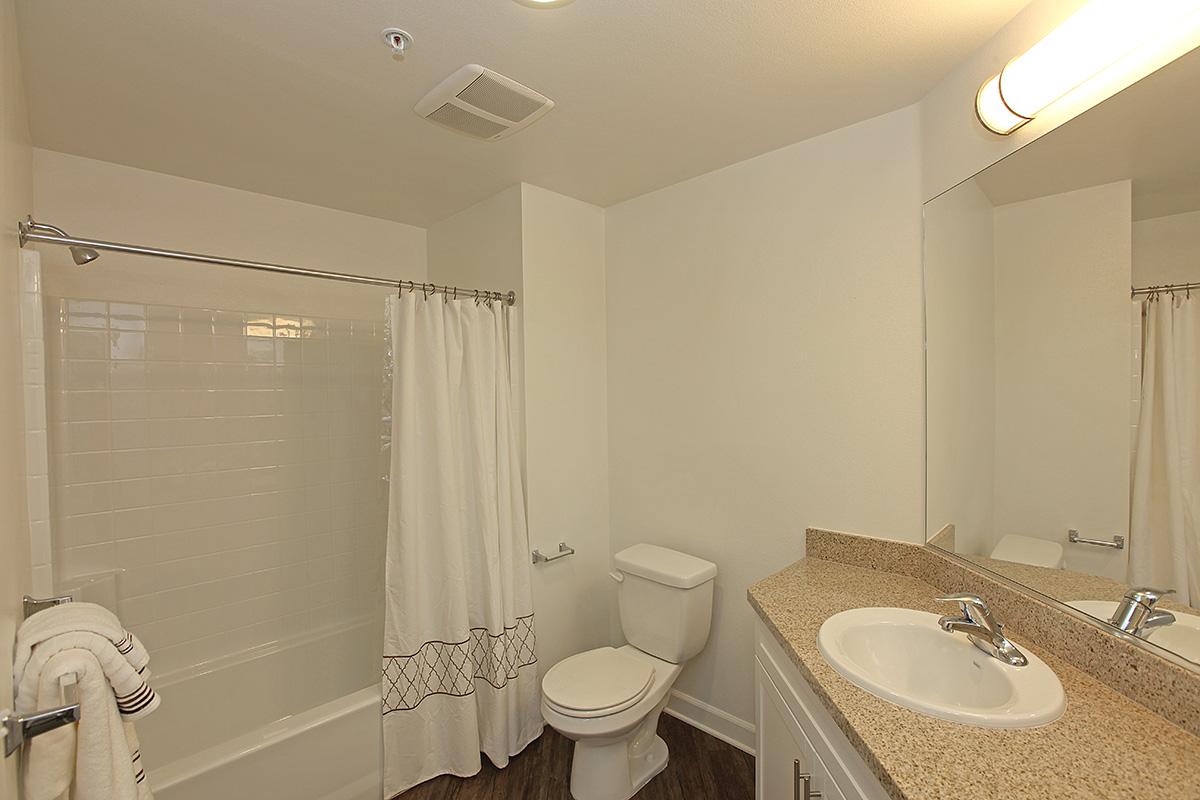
<point x="596" y="683"/>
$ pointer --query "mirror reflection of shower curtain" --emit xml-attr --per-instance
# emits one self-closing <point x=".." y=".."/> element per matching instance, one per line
<point x="1165" y="520"/>
<point x="458" y="665"/>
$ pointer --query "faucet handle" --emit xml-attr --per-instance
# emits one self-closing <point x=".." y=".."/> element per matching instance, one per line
<point x="1147" y="595"/>
<point x="974" y="607"/>
<point x="965" y="599"/>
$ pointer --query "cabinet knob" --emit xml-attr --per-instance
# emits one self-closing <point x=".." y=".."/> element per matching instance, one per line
<point x="802" y="784"/>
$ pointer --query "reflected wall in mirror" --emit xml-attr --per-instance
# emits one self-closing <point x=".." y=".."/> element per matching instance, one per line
<point x="1062" y="393"/>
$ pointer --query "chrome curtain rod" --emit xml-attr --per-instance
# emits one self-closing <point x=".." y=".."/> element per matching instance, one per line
<point x="29" y="231"/>
<point x="1166" y="287"/>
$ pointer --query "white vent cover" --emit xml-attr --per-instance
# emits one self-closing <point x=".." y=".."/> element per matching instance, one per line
<point x="483" y="104"/>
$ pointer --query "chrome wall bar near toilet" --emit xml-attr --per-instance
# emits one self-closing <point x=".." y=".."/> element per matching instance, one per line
<point x="83" y="251"/>
<point x="1116" y="543"/>
<point x="563" y="551"/>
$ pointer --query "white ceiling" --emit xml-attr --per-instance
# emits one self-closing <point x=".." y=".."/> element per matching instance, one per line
<point x="301" y="99"/>
<point x="1149" y="134"/>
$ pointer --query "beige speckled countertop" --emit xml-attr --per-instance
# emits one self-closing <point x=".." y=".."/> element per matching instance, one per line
<point x="1104" y="746"/>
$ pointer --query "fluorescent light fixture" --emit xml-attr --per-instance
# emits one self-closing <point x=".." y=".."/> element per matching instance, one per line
<point x="1090" y="40"/>
<point x="544" y="3"/>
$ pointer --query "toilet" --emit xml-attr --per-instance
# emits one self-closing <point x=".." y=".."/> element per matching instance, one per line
<point x="1028" y="550"/>
<point x="608" y="700"/>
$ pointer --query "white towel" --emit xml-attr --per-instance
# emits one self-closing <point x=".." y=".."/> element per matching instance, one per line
<point x="99" y="761"/>
<point x="79" y="617"/>
<point x="90" y="627"/>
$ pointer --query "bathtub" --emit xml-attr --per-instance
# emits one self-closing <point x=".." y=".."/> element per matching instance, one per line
<point x="285" y="721"/>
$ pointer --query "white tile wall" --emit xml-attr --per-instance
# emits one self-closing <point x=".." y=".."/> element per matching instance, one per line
<point x="37" y="462"/>
<point x="227" y="464"/>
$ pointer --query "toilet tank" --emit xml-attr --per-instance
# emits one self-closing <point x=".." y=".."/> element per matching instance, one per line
<point x="665" y="598"/>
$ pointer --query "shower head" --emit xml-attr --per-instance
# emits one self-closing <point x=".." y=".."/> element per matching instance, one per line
<point x="80" y="255"/>
<point x="83" y="255"/>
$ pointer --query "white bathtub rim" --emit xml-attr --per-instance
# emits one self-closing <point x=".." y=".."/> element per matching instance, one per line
<point x="167" y="679"/>
<point x="212" y="758"/>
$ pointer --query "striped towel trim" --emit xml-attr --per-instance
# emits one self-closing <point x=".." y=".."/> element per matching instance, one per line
<point x="131" y="704"/>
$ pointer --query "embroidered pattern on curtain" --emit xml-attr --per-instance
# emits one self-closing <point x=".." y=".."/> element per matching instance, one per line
<point x="451" y="668"/>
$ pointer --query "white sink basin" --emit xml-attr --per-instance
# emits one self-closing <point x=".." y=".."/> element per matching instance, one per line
<point x="1181" y="636"/>
<point x="903" y="656"/>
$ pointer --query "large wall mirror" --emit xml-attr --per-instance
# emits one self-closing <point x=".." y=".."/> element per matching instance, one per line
<point x="1063" y="380"/>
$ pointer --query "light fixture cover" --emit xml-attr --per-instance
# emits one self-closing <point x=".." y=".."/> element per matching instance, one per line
<point x="1089" y="41"/>
<point x="544" y="3"/>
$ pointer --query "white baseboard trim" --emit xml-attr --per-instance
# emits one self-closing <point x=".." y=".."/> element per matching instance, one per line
<point x="712" y="720"/>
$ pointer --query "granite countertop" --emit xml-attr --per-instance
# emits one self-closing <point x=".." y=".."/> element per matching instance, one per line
<point x="1065" y="585"/>
<point x="1104" y="746"/>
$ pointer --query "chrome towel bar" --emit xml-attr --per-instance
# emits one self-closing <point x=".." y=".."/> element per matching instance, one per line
<point x="17" y="729"/>
<point x="1117" y="543"/>
<point x="32" y="605"/>
<point x="563" y="552"/>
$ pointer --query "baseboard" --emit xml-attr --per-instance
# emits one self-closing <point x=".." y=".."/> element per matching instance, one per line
<point x="712" y="720"/>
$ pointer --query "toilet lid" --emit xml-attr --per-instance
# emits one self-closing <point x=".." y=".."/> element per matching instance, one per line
<point x="596" y="683"/>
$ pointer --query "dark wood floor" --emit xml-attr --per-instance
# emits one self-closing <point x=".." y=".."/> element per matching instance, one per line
<point x="700" y="768"/>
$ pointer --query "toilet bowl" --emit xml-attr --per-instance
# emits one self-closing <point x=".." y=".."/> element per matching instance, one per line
<point x="608" y="700"/>
<point x="1028" y="550"/>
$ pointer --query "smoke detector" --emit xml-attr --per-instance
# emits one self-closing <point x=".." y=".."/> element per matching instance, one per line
<point x="483" y="104"/>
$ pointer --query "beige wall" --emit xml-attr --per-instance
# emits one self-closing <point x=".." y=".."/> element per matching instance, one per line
<point x="16" y="200"/>
<point x="764" y="362"/>
<point x="960" y="312"/>
<point x="567" y="413"/>
<point x="1063" y="365"/>
<point x="550" y="249"/>
<point x="480" y="247"/>
<point x="110" y="201"/>
<point x="1167" y="249"/>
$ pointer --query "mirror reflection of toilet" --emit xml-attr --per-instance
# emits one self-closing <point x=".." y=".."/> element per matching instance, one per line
<point x="1028" y="550"/>
<point x="608" y="700"/>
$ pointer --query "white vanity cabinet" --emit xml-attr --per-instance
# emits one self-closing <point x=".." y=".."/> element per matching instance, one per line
<point x="802" y="755"/>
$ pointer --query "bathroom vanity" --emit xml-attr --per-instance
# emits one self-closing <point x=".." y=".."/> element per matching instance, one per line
<point x="819" y="732"/>
<point x="801" y="753"/>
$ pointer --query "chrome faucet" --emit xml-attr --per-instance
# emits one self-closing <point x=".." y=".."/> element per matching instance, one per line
<point x="1136" y="611"/>
<point x="981" y="628"/>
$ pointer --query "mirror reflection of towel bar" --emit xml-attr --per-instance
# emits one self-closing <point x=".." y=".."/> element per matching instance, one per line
<point x="563" y="552"/>
<point x="1117" y="543"/>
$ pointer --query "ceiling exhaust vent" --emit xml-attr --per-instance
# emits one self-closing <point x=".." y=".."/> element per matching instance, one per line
<point x="483" y="104"/>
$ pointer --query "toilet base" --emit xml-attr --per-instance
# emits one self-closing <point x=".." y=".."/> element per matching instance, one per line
<point x="609" y="772"/>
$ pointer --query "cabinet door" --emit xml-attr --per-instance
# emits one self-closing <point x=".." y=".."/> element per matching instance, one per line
<point x="778" y="751"/>
<point x="784" y="752"/>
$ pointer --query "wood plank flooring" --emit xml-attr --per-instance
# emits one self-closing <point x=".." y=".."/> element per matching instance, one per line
<point x="700" y="768"/>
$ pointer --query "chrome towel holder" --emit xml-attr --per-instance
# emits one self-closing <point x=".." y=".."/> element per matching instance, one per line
<point x="17" y="729"/>
<point x="1117" y="543"/>
<point x="563" y="551"/>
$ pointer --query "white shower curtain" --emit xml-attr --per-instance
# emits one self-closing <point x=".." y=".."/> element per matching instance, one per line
<point x="458" y="674"/>
<point x="1164" y="548"/>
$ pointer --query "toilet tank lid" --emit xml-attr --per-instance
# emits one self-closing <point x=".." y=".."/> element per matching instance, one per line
<point x="669" y="567"/>
<point x="1028" y="550"/>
